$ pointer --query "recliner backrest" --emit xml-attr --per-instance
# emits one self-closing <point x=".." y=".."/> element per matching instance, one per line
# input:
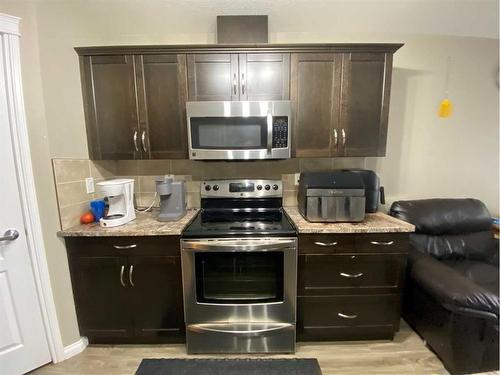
<point x="448" y="228"/>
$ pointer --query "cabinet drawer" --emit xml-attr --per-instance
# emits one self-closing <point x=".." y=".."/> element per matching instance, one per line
<point x="126" y="245"/>
<point x="325" y="243"/>
<point x="350" y="274"/>
<point x="348" y="311"/>
<point x="381" y="243"/>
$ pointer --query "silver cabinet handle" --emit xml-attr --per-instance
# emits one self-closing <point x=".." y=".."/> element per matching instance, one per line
<point x="378" y="243"/>
<point x="343" y="137"/>
<point x="123" y="247"/>
<point x="335" y="137"/>
<point x="131" y="275"/>
<point x="10" y="235"/>
<point x="347" y="316"/>
<point x="351" y="275"/>
<point x="121" y="276"/>
<point x="326" y="243"/>
<point x="243" y="83"/>
<point x="143" y="141"/>
<point x="234" y="83"/>
<point x="135" y="142"/>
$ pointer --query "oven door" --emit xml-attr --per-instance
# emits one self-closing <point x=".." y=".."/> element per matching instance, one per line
<point x="235" y="130"/>
<point x="239" y="280"/>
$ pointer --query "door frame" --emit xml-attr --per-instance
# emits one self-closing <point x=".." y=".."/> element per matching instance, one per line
<point x="9" y="32"/>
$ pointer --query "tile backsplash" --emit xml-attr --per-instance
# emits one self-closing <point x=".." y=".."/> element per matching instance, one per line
<point x="73" y="200"/>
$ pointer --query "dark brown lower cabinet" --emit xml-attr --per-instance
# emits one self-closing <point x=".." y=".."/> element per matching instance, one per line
<point x="127" y="289"/>
<point x="349" y="286"/>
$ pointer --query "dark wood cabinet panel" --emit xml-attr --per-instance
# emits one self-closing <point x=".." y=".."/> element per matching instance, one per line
<point x="162" y="93"/>
<point x="350" y="274"/>
<point x="213" y="77"/>
<point x="158" y="308"/>
<point x="264" y="76"/>
<point x="366" y="82"/>
<point x="100" y="296"/>
<point x="109" y="95"/>
<point x="315" y="90"/>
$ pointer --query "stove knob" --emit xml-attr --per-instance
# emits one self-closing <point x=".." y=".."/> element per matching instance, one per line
<point x="216" y="187"/>
<point x="275" y="187"/>
<point x="259" y="187"/>
<point x="207" y="187"/>
<point x="268" y="187"/>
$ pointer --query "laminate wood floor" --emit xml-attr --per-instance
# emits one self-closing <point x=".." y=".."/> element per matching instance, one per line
<point x="407" y="354"/>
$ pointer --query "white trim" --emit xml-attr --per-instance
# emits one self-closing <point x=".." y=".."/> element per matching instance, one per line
<point x="26" y="181"/>
<point x="75" y="348"/>
<point x="9" y="24"/>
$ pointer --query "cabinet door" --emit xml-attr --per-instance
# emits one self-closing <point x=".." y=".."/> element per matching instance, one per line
<point x="264" y="76"/>
<point x="162" y="91"/>
<point x="315" y="89"/>
<point x="213" y="77"/>
<point x="109" y="97"/>
<point x="100" y="289"/>
<point x="366" y="82"/>
<point x="157" y="297"/>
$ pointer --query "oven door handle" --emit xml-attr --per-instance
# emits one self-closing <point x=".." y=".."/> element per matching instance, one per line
<point x="232" y="246"/>
<point x="255" y="328"/>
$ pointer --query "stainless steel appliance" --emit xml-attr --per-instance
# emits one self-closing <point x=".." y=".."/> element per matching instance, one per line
<point x="239" y="270"/>
<point x="172" y="198"/>
<point x="239" y="130"/>
<point x="331" y="196"/>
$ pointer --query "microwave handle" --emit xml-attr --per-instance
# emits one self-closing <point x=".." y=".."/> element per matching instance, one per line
<point x="269" y="133"/>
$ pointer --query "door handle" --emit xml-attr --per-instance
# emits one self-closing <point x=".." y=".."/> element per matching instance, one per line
<point x="347" y="316"/>
<point x="343" y="137"/>
<point x="135" y="142"/>
<point x="10" y="235"/>
<point x="131" y="275"/>
<point x="350" y="275"/>
<point x="234" y="83"/>
<point x="243" y="83"/>
<point x="122" y="270"/>
<point x="143" y="141"/>
<point x="335" y="137"/>
<point x="326" y="243"/>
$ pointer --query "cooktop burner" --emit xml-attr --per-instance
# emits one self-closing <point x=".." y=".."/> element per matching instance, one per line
<point x="240" y="208"/>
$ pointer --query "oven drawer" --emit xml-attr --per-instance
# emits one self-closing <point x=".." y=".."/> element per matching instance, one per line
<point x="344" y="317"/>
<point x="350" y="274"/>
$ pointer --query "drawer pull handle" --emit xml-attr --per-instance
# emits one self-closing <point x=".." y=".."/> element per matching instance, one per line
<point x="326" y="243"/>
<point x="347" y="316"/>
<point x="389" y="243"/>
<point x="123" y="247"/>
<point x="350" y="275"/>
<point x="121" y="276"/>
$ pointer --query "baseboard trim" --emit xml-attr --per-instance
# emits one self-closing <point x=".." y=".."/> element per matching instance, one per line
<point x="75" y="348"/>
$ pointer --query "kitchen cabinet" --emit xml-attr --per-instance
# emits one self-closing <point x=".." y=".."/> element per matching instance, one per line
<point x="135" y="106"/>
<point x="349" y="285"/>
<point x="244" y="76"/>
<point x="127" y="289"/>
<point x="341" y="103"/>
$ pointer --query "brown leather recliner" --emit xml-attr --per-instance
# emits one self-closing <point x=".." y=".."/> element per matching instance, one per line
<point x="451" y="291"/>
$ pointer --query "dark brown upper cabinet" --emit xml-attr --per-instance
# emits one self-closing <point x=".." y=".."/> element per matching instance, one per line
<point x="135" y="106"/>
<point x="252" y="76"/>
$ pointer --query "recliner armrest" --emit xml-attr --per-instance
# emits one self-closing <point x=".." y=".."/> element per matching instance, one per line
<point x="450" y="288"/>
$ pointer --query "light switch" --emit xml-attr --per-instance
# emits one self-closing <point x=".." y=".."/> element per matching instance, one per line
<point x="89" y="183"/>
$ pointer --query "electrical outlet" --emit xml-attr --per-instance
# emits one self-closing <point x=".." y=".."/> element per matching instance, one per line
<point x="297" y="177"/>
<point x="89" y="183"/>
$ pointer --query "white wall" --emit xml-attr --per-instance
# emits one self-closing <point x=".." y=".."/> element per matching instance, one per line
<point x="426" y="156"/>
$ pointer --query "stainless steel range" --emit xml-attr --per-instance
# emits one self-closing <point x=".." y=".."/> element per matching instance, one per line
<point x="239" y="270"/>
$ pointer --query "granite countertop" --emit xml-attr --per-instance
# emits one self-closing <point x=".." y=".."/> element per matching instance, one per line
<point x="374" y="223"/>
<point x="144" y="225"/>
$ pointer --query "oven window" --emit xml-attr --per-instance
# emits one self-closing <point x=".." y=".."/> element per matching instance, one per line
<point x="229" y="133"/>
<point x="239" y="277"/>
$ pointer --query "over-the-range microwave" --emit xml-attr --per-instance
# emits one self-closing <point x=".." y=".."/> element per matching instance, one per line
<point x="242" y="130"/>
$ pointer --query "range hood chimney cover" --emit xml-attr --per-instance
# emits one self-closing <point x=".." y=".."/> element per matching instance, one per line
<point x="242" y="29"/>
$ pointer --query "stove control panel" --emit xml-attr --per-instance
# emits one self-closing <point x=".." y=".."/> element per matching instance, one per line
<point x="244" y="188"/>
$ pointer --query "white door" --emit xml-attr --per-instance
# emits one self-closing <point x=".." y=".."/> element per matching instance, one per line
<point x="23" y="343"/>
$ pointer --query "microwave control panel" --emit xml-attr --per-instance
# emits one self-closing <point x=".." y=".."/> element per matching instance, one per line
<point x="280" y="132"/>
